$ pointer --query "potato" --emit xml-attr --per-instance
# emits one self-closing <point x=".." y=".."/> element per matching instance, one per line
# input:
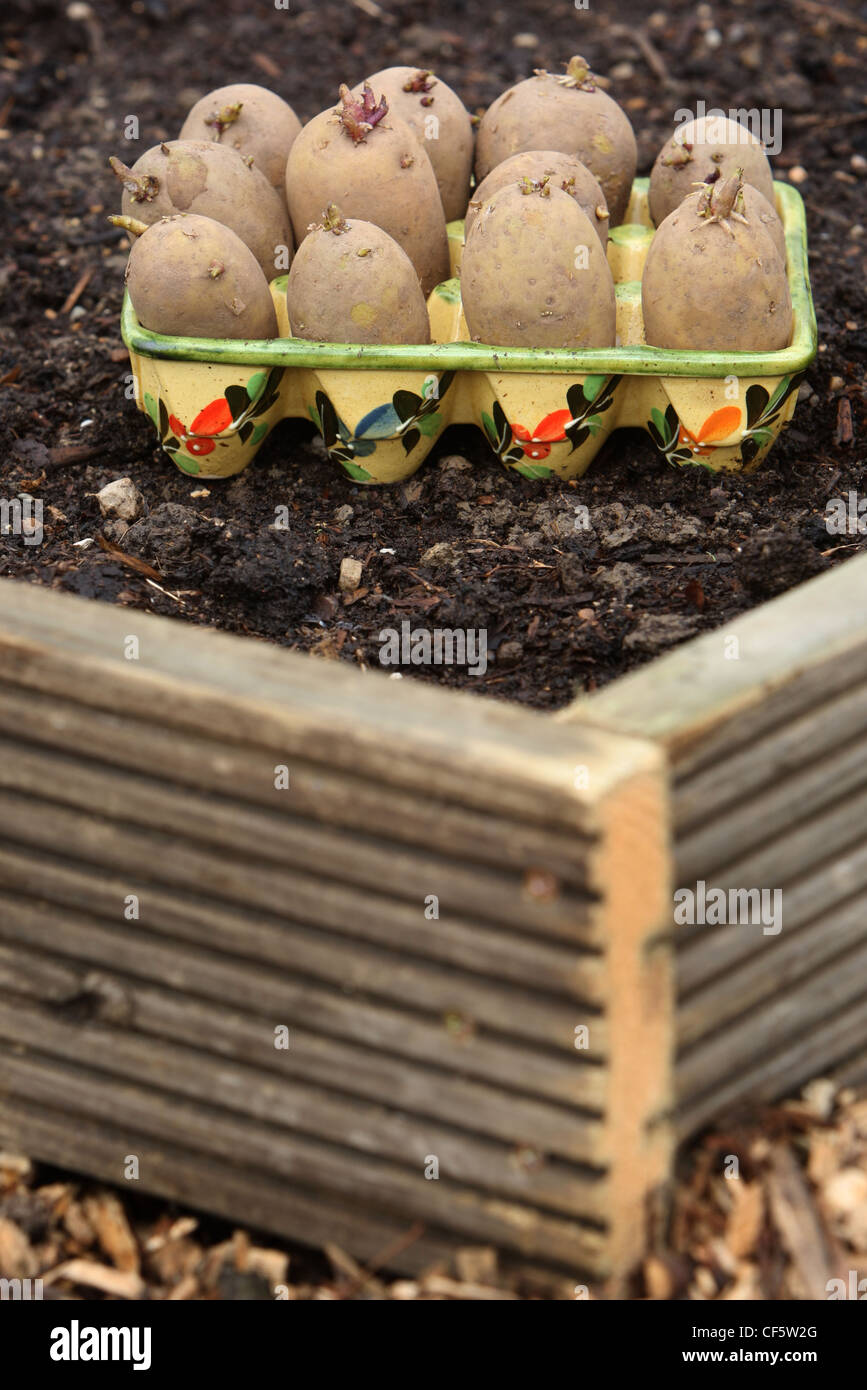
<point x="534" y="275"/>
<point x="710" y="148"/>
<point x="211" y="181"/>
<point x="248" y="119"/>
<point x="440" y="122"/>
<point x="713" y="278"/>
<point x="193" y="277"/>
<point x="569" y="113"/>
<point x="351" y="283"/>
<point x="370" y="164"/>
<point x="562" y="170"/>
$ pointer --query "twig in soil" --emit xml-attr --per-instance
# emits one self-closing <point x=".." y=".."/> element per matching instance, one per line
<point x="267" y="64"/>
<point x="370" y="7"/>
<point x="845" y="432"/>
<point x="177" y="598"/>
<point x="131" y="561"/>
<point x="73" y="453"/>
<point x="648" y="52"/>
<point x="831" y="12"/>
<point x="77" y="291"/>
<point x="849" y="118"/>
<point x="5" y="111"/>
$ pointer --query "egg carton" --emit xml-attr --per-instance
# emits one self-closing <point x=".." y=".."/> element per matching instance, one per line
<point x="545" y="412"/>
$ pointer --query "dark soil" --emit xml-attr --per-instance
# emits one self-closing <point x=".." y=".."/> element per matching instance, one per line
<point x="670" y="552"/>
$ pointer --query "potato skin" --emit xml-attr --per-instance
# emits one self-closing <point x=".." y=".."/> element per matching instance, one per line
<point x="719" y="148"/>
<point x="705" y="289"/>
<point x="539" y="164"/>
<point x="539" y="113"/>
<point x="265" y="128"/>
<point x="355" y="286"/>
<point x="213" y="181"/>
<point x="386" y="179"/>
<point x="519" y="282"/>
<point x="451" y="153"/>
<point x="191" y="276"/>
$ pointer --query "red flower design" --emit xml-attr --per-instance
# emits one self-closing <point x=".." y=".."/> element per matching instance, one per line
<point x="211" y="421"/>
<point x="549" y="431"/>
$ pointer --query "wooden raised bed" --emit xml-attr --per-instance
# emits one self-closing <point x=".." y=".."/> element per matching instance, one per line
<point x="552" y="845"/>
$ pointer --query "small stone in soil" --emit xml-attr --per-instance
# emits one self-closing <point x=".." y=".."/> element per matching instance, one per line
<point x="509" y="654"/>
<point x="121" y="500"/>
<point x="350" y="574"/>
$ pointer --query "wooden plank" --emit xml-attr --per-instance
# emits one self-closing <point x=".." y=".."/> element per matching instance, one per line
<point x="768" y="816"/>
<point x="566" y="1131"/>
<point x="200" y="1182"/>
<point x="121" y="839"/>
<point x="633" y="859"/>
<point x="509" y="1060"/>
<point x="263" y="938"/>
<point x="438" y="829"/>
<point x="356" y="861"/>
<point x="303" y="1113"/>
<point x="475" y="1216"/>
<point x="812" y="1051"/>
<point x="777" y="968"/>
<point x="797" y="1011"/>
<point x="795" y="652"/>
<point x="707" y="952"/>
<point x="479" y="753"/>
<point x="797" y="747"/>
<point x="505" y="1008"/>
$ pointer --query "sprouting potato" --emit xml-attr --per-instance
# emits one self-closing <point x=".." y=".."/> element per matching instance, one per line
<point x="440" y="122"/>
<point x="370" y="164"/>
<point x="705" y="150"/>
<point x="534" y="273"/>
<point x="714" y="279"/>
<point x="211" y="181"/>
<point x="569" y="113"/>
<point x="351" y="283"/>
<point x="251" y="120"/>
<point x="193" y="277"/>
<point x="562" y="170"/>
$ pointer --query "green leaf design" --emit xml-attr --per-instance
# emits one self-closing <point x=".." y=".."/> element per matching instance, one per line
<point x="488" y="427"/>
<point x="592" y="386"/>
<point x="189" y="465"/>
<point x="314" y="416"/>
<point x="449" y="290"/>
<point x="259" y="432"/>
<point x="256" y="385"/>
<point x="659" y="421"/>
<point x="429" y="424"/>
<point x="355" y="470"/>
<point x="237" y="399"/>
<point x="151" y="408"/>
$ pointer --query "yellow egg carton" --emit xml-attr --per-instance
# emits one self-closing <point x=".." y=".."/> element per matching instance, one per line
<point x="544" y="411"/>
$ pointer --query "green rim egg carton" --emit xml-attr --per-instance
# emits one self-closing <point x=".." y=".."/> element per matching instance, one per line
<point x="545" y="412"/>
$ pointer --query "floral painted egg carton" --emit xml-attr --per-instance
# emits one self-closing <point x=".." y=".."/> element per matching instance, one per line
<point x="545" y="412"/>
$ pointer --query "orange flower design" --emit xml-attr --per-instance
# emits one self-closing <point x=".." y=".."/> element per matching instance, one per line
<point x="717" y="426"/>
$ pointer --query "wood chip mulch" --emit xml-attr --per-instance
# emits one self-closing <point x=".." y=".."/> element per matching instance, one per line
<point x="774" y="1207"/>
